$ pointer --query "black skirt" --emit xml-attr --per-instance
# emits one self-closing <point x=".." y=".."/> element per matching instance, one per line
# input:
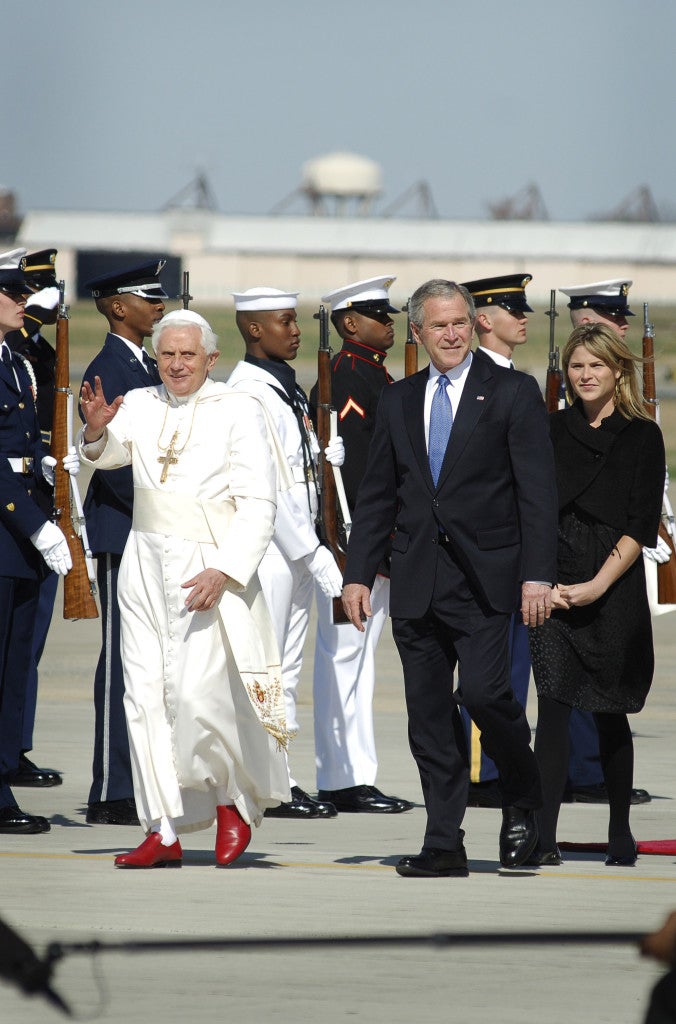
<point x="599" y="657"/>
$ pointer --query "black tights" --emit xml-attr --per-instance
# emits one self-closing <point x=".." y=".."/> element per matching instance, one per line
<point x="552" y="750"/>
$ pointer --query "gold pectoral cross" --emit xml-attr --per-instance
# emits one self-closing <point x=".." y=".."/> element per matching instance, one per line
<point x="169" y="459"/>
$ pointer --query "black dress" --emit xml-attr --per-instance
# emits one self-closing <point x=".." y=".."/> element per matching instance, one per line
<point x="599" y="657"/>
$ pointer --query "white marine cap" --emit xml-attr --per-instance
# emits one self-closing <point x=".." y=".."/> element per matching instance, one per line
<point x="608" y="296"/>
<point x="11" y="260"/>
<point x="371" y="294"/>
<point x="11" y="275"/>
<point x="185" y="316"/>
<point x="256" y="300"/>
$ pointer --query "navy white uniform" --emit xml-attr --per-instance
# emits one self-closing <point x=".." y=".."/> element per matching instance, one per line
<point x="344" y="667"/>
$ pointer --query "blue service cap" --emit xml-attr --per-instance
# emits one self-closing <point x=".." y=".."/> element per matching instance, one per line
<point x="507" y="291"/>
<point x="141" y="280"/>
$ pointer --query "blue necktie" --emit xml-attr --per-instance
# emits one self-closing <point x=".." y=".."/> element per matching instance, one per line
<point x="441" y="421"/>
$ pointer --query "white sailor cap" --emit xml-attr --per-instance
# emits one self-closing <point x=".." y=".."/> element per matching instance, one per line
<point x="257" y="300"/>
<point x="11" y="275"/>
<point x="605" y="296"/>
<point x="370" y="296"/>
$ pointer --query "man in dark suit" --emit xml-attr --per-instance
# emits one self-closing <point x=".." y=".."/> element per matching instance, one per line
<point x="132" y="302"/>
<point x="460" y="480"/>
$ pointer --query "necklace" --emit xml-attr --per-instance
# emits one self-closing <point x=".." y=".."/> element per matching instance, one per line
<point x="171" y="452"/>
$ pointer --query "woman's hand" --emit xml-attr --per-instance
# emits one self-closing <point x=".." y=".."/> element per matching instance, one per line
<point x="557" y="600"/>
<point x="576" y="595"/>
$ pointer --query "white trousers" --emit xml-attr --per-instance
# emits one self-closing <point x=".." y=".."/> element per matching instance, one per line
<point x="287" y="587"/>
<point x="344" y="679"/>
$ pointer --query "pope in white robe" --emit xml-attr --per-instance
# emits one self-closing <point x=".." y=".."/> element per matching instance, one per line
<point x="203" y="695"/>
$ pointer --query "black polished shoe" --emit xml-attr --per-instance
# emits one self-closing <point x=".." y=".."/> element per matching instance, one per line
<point x="113" y="812"/>
<point x="28" y="774"/>
<point x="484" y="794"/>
<point x="543" y="858"/>
<point x="518" y="836"/>
<point x="364" y="800"/>
<point x="622" y="852"/>
<point x="432" y="863"/>
<point x="598" y="794"/>
<point x="15" y="822"/>
<point x="302" y="806"/>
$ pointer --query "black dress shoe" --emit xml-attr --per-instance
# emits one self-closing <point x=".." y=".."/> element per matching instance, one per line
<point x="364" y="800"/>
<point x="14" y="822"/>
<point x="113" y="812"/>
<point x="431" y="863"/>
<point x="518" y="836"/>
<point x="621" y="852"/>
<point x="28" y="774"/>
<point x="484" y="794"/>
<point x="598" y="794"/>
<point x="544" y="858"/>
<point x="302" y="806"/>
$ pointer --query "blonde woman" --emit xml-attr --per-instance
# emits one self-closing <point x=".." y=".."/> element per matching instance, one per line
<point x="596" y="651"/>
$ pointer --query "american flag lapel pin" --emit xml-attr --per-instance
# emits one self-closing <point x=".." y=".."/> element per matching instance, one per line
<point x="479" y="398"/>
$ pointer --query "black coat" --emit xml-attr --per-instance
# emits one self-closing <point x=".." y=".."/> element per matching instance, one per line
<point x="613" y="473"/>
<point x="495" y="497"/>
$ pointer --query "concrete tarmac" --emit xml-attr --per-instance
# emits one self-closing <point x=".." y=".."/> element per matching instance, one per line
<point x="326" y="878"/>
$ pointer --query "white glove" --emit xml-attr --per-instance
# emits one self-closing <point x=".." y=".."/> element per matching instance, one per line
<point x="660" y="554"/>
<point x="70" y="462"/>
<point x="335" y="452"/>
<point x="46" y="298"/>
<point x="52" y="545"/>
<point x="48" y="465"/>
<point x="326" y="573"/>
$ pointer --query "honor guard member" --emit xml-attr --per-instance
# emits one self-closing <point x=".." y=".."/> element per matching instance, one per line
<point x="132" y="301"/>
<point x="604" y="302"/>
<point x="267" y="321"/>
<point x="344" y="668"/>
<point x="30" y="544"/>
<point x="41" y="307"/>
<point x="501" y="326"/>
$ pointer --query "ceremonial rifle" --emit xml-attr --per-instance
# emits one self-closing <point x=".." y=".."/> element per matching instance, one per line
<point x="78" y="585"/>
<point x="330" y="480"/>
<point x="554" y="374"/>
<point x="185" y="295"/>
<point x="666" y="571"/>
<point x="411" y="346"/>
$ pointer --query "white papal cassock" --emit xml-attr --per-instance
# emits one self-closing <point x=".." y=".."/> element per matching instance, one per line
<point x="198" y="685"/>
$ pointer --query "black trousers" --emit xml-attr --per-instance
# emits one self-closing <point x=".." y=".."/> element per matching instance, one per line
<point x="18" y="609"/>
<point x="456" y="630"/>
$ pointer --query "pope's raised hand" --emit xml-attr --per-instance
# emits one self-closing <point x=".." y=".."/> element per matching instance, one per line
<point x="97" y="412"/>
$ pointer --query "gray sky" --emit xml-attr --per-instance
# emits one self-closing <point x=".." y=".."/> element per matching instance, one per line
<point x="117" y="105"/>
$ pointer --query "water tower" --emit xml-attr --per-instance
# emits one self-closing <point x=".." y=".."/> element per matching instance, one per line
<point x="338" y="184"/>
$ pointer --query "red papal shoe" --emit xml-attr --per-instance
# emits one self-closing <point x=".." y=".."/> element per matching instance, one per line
<point x="152" y="854"/>
<point x="233" y="835"/>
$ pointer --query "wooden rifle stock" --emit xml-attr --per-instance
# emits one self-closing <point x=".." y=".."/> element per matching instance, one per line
<point x="78" y="598"/>
<point x="666" y="571"/>
<point x="554" y="374"/>
<point x="411" y="346"/>
<point x="328" y="499"/>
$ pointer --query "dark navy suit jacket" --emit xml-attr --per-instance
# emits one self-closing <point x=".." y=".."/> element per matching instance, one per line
<point x="495" y="499"/>
<point x="20" y="514"/>
<point x="109" y="500"/>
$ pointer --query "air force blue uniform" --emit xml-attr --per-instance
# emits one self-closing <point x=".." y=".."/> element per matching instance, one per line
<point x="108" y="511"/>
<point x="21" y="565"/>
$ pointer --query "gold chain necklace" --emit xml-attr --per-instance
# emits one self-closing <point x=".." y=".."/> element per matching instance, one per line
<point x="171" y="451"/>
